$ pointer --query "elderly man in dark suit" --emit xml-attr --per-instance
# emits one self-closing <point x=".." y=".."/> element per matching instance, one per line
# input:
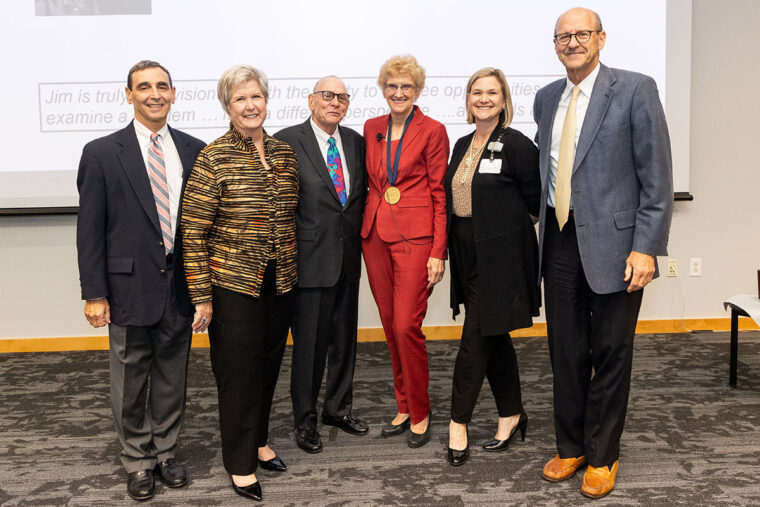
<point x="130" y="266"/>
<point x="328" y="221"/>
<point x="606" y="207"/>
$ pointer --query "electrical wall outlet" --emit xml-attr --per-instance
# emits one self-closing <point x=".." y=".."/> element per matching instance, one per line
<point x="695" y="266"/>
<point x="672" y="267"/>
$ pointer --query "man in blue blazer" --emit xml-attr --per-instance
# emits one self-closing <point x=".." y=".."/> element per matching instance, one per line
<point x="606" y="207"/>
<point x="130" y="266"/>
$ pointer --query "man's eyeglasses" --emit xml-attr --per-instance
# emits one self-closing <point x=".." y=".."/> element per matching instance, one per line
<point x="393" y="88"/>
<point x="328" y="96"/>
<point x="582" y="37"/>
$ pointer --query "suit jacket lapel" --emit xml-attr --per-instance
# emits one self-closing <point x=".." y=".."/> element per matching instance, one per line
<point x="547" y="117"/>
<point x="133" y="164"/>
<point x="415" y="127"/>
<point x="353" y="164"/>
<point x="597" y="108"/>
<point x="311" y="148"/>
<point x="185" y="155"/>
<point x="380" y="168"/>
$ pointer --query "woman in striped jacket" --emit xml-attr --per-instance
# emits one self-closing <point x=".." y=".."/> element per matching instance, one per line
<point x="238" y="225"/>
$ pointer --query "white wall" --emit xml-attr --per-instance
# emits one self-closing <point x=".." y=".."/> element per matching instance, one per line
<point x="40" y="291"/>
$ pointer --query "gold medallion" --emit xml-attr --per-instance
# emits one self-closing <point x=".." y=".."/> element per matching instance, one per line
<point x="392" y="195"/>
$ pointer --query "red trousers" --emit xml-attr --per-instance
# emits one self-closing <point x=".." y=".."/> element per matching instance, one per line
<point x="398" y="278"/>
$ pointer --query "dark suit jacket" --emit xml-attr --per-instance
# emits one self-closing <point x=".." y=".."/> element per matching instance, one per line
<point x="327" y="232"/>
<point x="622" y="182"/>
<point x="119" y="242"/>
<point x="505" y="239"/>
<point x="421" y="212"/>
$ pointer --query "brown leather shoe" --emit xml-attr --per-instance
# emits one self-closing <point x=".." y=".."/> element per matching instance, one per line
<point x="558" y="469"/>
<point x="598" y="482"/>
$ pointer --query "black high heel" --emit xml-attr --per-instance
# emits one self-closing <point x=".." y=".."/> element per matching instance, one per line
<point x="501" y="445"/>
<point x="252" y="491"/>
<point x="457" y="457"/>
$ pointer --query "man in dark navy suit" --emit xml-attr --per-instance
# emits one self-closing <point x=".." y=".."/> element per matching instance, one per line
<point x="130" y="186"/>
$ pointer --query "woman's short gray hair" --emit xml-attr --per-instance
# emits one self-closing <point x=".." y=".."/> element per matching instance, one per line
<point x="236" y="75"/>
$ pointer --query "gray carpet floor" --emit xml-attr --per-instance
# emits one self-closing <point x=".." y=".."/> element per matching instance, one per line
<point x="690" y="439"/>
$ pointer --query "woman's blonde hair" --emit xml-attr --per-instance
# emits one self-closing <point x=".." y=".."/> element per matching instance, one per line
<point x="508" y="112"/>
<point x="399" y="65"/>
<point x="240" y="74"/>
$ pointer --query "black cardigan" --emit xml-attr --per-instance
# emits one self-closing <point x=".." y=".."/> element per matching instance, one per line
<point x="505" y="238"/>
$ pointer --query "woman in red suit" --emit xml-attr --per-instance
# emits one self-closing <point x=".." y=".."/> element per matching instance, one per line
<point x="404" y="233"/>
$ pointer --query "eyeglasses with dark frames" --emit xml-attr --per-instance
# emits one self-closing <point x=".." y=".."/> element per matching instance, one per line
<point x="328" y="96"/>
<point x="582" y="36"/>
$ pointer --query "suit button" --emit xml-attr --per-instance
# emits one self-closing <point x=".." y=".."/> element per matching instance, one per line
<point x="161" y="244"/>
<point x="162" y="271"/>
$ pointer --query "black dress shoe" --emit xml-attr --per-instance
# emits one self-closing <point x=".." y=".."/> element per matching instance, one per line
<point x="415" y="440"/>
<point x="275" y="464"/>
<point x="347" y="423"/>
<point x="308" y="440"/>
<point x="141" y="485"/>
<point x="252" y="491"/>
<point x="457" y="457"/>
<point x="391" y="430"/>
<point x="501" y="445"/>
<point x="171" y="473"/>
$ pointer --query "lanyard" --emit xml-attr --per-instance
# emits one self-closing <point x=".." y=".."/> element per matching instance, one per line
<point x="393" y="171"/>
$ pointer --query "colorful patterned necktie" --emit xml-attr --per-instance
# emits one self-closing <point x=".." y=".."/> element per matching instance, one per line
<point x="157" y="176"/>
<point x="335" y="167"/>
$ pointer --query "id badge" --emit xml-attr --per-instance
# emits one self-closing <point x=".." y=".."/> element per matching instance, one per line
<point x="488" y="166"/>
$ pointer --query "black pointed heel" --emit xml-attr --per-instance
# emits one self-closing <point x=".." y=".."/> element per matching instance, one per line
<point x="501" y="445"/>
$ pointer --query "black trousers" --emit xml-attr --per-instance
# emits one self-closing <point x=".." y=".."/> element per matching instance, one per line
<point x="324" y="326"/>
<point x="479" y="356"/>
<point x="591" y="348"/>
<point x="247" y="337"/>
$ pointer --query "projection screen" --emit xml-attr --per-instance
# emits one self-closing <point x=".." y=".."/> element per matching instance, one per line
<point x="66" y="63"/>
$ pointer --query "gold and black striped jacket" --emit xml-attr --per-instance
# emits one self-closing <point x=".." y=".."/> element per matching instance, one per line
<point x="236" y="216"/>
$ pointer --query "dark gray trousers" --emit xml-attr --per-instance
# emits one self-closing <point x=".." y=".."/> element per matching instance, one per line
<point x="148" y="380"/>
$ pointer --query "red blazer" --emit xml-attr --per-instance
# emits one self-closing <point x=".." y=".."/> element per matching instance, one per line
<point x="421" y="212"/>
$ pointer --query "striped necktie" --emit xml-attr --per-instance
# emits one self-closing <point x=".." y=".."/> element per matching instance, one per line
<point x="157" y="176"/>
<point x="335" y="166"/>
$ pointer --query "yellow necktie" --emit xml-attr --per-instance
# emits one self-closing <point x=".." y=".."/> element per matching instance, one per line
<point x="565" y="163"/>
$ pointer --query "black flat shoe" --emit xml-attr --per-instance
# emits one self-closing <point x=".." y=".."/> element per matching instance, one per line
<point x="391" y="430"/>
<point x="171" y="473"/>
<point x="141" y="485"/>
<point x="308" y="440"/>
<point x="501" y="445"/>
<point x="457" y="457"/>
<point x="347" y="423"/>
<point x="275" y="464"/>
<point x="415" y="440"/>
<point x="252" y="491"/>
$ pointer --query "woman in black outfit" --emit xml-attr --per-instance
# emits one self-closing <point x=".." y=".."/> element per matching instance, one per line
<point x="492" y="189"/>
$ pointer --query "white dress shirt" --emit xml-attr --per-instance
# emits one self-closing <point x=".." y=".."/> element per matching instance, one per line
<point x="323" y="139"/>
<point x="172" y="161"/>
<point x="581" y="106"/>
